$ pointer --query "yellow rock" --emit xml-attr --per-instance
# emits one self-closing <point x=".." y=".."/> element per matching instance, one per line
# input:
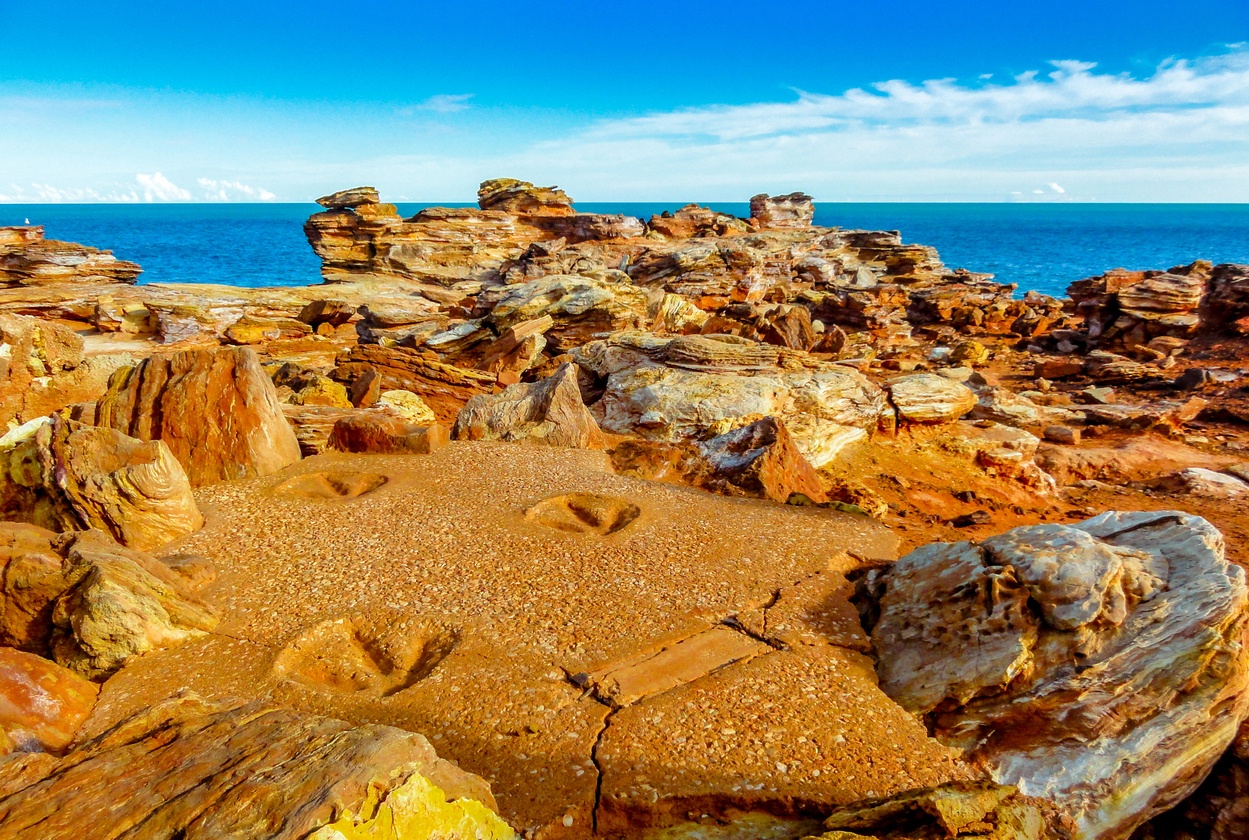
<point x="416" y="810"/>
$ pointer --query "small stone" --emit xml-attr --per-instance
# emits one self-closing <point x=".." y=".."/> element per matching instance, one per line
<point x="1062" y="434"/>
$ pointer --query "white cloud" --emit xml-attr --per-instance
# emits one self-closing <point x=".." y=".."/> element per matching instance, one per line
<point x="233" y="191"/>
<point x="442" y="103"/>
<point x="156" y="187"/>
<point x="1058" y="189"/>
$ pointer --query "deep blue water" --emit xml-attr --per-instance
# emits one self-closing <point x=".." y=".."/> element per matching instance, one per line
<point x="1038" y="246"/>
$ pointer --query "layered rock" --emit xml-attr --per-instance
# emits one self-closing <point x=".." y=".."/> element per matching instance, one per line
<point x="216" y="410"/>
<point x="960" y="809"/>
<point x="91" y="604"/>
<point x="929" y="398"/>
<point x="384" y="434"/>
<point x="1099" y="665"/>
<point x="549" y="412"/>
<point x="698" y="387"/>
<point x="795" y="210"/>
<point x="65" y="476"/>
<point x="27" y="259"/>
<point x="188" y="768"/>
<point x="761" y="460"/>
<point x="42" y="704"/>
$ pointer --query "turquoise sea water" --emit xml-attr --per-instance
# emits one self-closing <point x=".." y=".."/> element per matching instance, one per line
<point x="1038" y="246"/>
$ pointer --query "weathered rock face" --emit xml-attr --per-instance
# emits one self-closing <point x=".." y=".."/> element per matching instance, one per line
<point x="41" y="704"/>
<point x="550" y="412"/>
<point x="187" y="768"/>
<point x="959" y="809"/>
<point x="216" y="410"/>
<point x="1099" y="665"/>
<point x="581" y="308"/>
<point x="1219" y="810"/>
<point x="698" y="387"/>
<point x="523" y="198"/>
<point x="1226" y="304"/>
<point x="350" y="198"/>
<point x="63" y="476"/>
<point x="445" y="388"/>
<point x="760" y="460"/>
<point x="27" y="259"/>
<point x="929" y="398"/>
<point x="91" y="604"/>
<point x="795" y="210"/>
<point x="384" y="434"/>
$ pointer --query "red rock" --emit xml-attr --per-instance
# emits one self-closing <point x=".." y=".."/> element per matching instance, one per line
<point x="760" y="460"/>
<point x="549" y="412"/>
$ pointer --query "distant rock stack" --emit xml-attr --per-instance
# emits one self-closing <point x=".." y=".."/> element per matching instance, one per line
<point x="27" y="259"/>
<point x="795" y="210"/>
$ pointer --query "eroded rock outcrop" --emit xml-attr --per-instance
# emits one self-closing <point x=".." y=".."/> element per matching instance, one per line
<point x="1099" y="665"/>
<point x="27" y="259"/>
<point x="698" y="387"/>
<point x="65" y="476"/>
<point x="216" y="410"/>
<point x="91" y="604"/>
<point x="550" y="412"/>
<point x="188" y="768"/>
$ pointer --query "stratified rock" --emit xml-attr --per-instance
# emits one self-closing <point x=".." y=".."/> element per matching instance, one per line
<point x="1226" y="304"/>
<point x="1098" y="665"/>
<point x="27" y="259"/>
<point x="41" y="704"/>
<point x="327" y="311"/>
<point x="384" y="434"/>
<point x="523" y="198"/>
<point x="1127" y="309"/>
<point x="188" y="768"/>
<point x="697" y="387"/>
<point x="580" y="308"/>
<point x="63" y="476"/>
<point x="216" y="410"/>
<point x="91" y="604"/>
<point x="760" y="460"/>
<point x="550" y="412"/>
<point x="972" y="810"/>
<point x="1199" y="481"/>
<point x="408" y="406"/>
<point x="351" y="198"/>
<point x="795" y="210"/>
<point x="929" y="398"/>
<point x="445" y="388"/>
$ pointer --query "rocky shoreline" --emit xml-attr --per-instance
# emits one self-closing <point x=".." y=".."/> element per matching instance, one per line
<point x="535" y="521"/>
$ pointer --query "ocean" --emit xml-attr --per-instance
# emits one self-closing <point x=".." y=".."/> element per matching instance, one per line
<point x="1037" y="246"/>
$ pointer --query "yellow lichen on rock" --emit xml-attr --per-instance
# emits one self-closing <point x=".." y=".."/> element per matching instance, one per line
<point x="416" y="810"/>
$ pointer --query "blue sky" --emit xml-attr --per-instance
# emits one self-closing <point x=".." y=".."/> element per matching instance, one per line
<point x="1054" y="101"/>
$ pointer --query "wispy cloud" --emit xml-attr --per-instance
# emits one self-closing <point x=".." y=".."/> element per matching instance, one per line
<point x="215" y="190"/>
<point x="442" y="103"/>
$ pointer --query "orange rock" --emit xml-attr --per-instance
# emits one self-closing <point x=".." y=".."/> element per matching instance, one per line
<point x="760" y="460"/>
<point x="41" y="704"/>
<point x="550" y="412"/>
<point x="216" y="410"/>
<point x="385" y="433"/>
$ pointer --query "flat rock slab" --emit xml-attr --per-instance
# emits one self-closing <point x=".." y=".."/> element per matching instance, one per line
<point x="436" y="602"/>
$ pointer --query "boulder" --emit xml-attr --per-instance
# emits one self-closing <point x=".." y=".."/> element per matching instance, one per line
<point x="41" y="704"/>
<point x="1209" y="484"/>
<point x="550" y="412"/>
<point x="760" y="460"/>
<point x="929" y="398"/>
<point x="189" y="768"/>
<point x="581" y="308"/>
<point x="523" y="198"/>
<point x="62" y="475"/>
<point x="92" y="604"/>
<point x="216" y="410"/>
<point x="1098" y="665"/>
<point x="386" y="434"/>
<point x="350" y="198"/>
<point x="408" y="406"/>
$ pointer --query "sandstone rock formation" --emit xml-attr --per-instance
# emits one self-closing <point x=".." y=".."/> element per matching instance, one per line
<point x="698" y="387"/>
<point x="1099" y="665"/>
<point x="928" y="398"/>
<point x="216" y="410"/>
<point x="27" y="259"/>
<point x="550" y="412"/>
<point x="760" y="460"/>
<point x="187" y="768"/>
<point x="41" y="704"/>
<point x="65" y="476"/>
<point x="384" y="434"/>
<point x="91" y="604"/>
<point x="962" y="809"/>
<point x="795" y="210"/>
